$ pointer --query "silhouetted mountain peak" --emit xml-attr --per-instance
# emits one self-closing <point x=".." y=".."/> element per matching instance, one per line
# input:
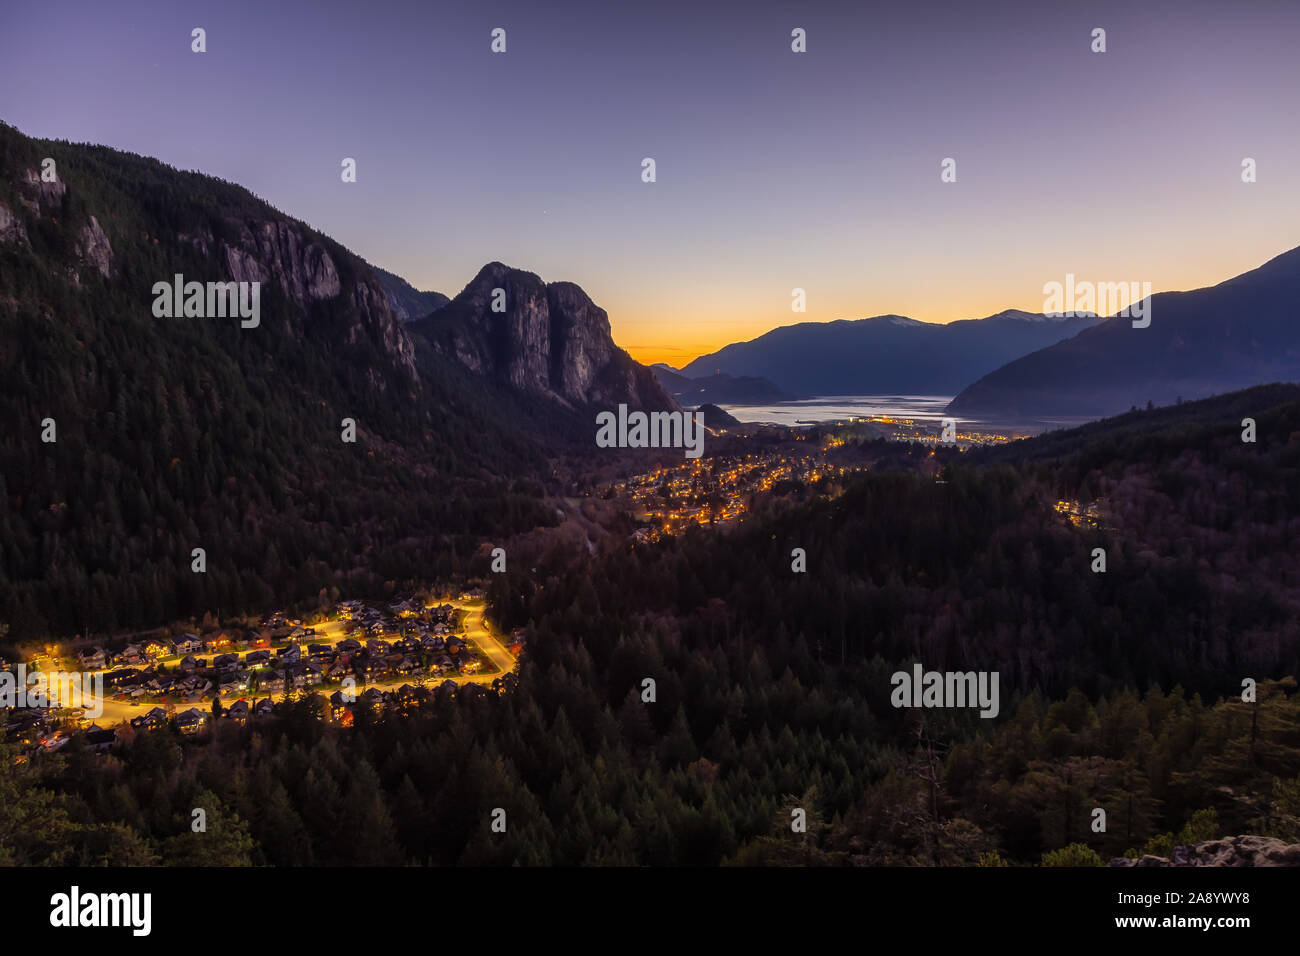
<point x="511" y="326"/>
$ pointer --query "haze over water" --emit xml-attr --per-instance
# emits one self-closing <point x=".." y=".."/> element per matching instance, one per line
<point x="919" y="408"/>
<point x="836" y="407"/>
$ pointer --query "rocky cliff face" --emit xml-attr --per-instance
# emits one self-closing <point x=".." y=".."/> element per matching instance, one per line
<point x="285" y="253"/>
<point x="94" y="249"/>
<point x="1228" y="851"/>
<point x="543" y="339"/>
<point x="97" y="220"/>
<point x="38" y="199"/>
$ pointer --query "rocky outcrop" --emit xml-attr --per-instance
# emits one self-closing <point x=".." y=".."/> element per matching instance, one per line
<point x="1228" y="851"/>
<point x="337" y="293"/>
<point x="39" y="196"/>
<point x="284" y="252"/>
<point x="94" y="248"/>
<point x="11" y="226"/>
<point x="278" y="250"/>
<point x="543" y="339"/>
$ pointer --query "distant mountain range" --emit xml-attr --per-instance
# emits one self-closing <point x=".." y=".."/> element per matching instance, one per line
<point x="1242" y="332"/>
<point x="888" y="353"/>
<point x="719" y="387"/>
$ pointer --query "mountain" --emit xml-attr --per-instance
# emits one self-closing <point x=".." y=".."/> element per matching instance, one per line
<point x="544" y="339"/>
<point x="715" y="418"/>
<point x="1238" y="333"/>
<point x="888" y="353"/>
<point x="133" y="439"/>
<point x="1147" y="434"/>
<point x="719" y="387"/>
<point x="404" y="300"/>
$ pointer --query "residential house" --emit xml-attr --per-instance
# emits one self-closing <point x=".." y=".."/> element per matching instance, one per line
<point x="158" y="685"/>
<point x="218" y="642"/>
<point x="120" y="677"/>
<point x="337" y="670"/>
<point x="313" y="670"/>
<point x="238" y="711"/>
<point x="188" y="644"/>
<point x="99" y="740"/>
<point x="93" y="660"/>
<point x="273" y="684"/>
<point x="150" y="721"/>
<point x="190" y="721"/>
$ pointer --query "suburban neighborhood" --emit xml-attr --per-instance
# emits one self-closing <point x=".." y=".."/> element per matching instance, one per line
<point x="384" y="656"/>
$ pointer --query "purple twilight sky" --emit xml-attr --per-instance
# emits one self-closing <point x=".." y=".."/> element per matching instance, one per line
<point x="775" y="169"/>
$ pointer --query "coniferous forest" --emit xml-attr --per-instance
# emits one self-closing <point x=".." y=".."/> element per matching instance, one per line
<point x="1120" y="690"/>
